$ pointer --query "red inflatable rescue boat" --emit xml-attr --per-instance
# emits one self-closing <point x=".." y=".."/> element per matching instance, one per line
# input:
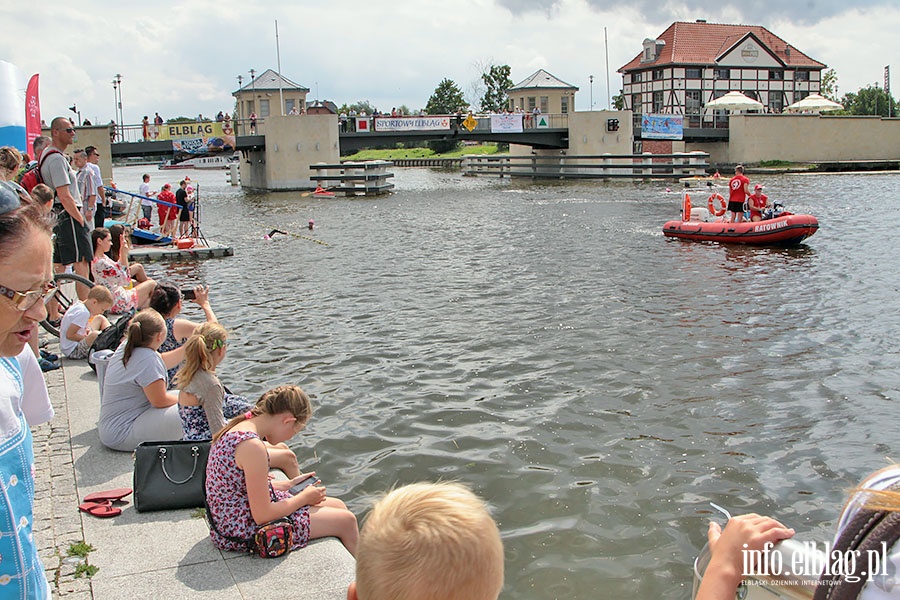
<point x="784" y="230"/>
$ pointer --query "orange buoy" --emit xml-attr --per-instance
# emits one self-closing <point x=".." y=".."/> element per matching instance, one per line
<point x="686" y="208"/>
<point x="716" y="204"/>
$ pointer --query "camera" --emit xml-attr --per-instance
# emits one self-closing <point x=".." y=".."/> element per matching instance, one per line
<point x="188" y="294"/>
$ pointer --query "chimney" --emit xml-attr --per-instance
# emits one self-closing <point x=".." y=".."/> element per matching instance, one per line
<point x="787" y="50"/>
<point x="701" y="20"/>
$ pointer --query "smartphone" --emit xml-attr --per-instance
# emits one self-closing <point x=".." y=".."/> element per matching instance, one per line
<point x="305" y="483"/>
<point x="188" y="294"/>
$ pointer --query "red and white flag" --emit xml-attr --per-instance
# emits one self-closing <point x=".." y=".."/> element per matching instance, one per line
<point x="32" y="111"/>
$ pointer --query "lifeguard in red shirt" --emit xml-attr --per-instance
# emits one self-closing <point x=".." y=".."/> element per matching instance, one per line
<point x="758" y="203"/>
<point x="738" y="190"/>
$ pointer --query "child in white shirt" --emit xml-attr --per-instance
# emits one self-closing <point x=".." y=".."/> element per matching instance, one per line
<point x="83" y="322"/>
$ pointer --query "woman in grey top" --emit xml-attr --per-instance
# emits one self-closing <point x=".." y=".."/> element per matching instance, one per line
<point x="135" y="406"/>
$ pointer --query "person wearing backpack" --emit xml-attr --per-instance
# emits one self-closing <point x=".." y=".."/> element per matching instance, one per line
<point x="30" y="176"/>
<point x="73" y="240"/>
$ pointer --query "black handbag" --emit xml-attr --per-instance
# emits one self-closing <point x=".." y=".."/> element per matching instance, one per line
<point x="169" y="475"/>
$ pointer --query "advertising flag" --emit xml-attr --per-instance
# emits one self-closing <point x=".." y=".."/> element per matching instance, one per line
<point x="32" y="111"/>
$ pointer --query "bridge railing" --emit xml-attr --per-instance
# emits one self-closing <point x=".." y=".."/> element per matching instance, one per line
<point x="594" y="166"/>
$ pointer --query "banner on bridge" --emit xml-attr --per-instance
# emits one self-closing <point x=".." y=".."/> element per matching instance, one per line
<point x="511" y="123"/>
<point x="662" y="127"/>
<point x="424" y="123"/>
<point x="197" y="137"/>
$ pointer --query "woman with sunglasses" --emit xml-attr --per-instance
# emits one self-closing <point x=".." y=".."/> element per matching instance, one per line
<point x="25" y="277"/>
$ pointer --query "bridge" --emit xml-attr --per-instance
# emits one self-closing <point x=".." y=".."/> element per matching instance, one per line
<point x="555" y="135"/>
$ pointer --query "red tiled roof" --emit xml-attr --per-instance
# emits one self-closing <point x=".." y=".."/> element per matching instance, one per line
<point x="693" y="43"/>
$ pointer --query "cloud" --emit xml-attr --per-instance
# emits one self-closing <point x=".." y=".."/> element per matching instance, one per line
<point x="804" y="12"/>
<point x="184" y="58"/>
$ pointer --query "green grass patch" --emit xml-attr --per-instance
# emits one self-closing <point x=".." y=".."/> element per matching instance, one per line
<point x="198" y="513"/>
<point x="81" y="549"/>
<point x="85" y="570"/>
<point x="775" y="163"/>
<point x="395" y="153"/>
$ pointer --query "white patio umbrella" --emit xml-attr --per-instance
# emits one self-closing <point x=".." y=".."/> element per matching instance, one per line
<point x="733" y="101"/>
<point x="814" y="103"/>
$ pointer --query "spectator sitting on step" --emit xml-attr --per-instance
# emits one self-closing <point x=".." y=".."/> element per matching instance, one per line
<point x="115" y="275"/>
<point x="83" y="322"/>
<point x="167" y="300"/>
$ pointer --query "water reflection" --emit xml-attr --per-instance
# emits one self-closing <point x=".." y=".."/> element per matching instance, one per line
<point x="597" y="383"/>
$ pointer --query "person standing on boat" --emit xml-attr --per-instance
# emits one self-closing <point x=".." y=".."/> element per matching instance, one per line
<point x="184" y="211"/>
<point x="738" y="190"/>
<point x="146" y="202"/>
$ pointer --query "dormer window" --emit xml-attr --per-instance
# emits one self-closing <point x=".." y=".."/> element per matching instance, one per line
<point x="652" y="48"/>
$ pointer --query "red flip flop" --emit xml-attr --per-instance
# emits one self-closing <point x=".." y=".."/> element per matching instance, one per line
<point x="109" y="495"/>
<point x="101" y="510"/>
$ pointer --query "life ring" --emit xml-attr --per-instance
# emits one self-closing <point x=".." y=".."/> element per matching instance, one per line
<point x="711" y="204"/>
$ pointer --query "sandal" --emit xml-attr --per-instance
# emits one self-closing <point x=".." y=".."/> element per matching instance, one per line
<point x="108" y="496"/>
<point x="102" y="510"/>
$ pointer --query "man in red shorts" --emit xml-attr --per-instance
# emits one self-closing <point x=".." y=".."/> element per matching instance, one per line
<point x="738" y="190"/>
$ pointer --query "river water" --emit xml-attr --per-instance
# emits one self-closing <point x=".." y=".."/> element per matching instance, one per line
<point x="598" y="384"/>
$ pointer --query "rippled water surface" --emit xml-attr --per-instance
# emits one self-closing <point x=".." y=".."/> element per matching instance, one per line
<point x="542" y="342"/>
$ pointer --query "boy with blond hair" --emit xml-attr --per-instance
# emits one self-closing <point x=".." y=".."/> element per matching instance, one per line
<point x="429" y="541"/>
<point x="83" y="322"/>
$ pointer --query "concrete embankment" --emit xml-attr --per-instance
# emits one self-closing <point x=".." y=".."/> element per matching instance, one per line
<point x="146" y="555"/>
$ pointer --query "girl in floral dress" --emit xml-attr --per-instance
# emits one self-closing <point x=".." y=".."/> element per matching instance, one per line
<point x="203" y="403"/>
<point x="239" y="494"/>
<point x="115" y="276"/>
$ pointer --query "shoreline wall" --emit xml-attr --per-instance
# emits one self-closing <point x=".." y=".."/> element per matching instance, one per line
<point x="805" y="138"/>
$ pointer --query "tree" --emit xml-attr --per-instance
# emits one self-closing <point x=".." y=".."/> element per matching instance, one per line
<point x="446" y="99"/>
<point x="871" y="100"/>
<point x="497" y="83"/>
<point x="829" y="85"/>
<point x="359" y="106"/>
<point x="619" y="101"/>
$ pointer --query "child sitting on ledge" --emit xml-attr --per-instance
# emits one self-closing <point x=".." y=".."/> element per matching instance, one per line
<point x="83" y="322"/>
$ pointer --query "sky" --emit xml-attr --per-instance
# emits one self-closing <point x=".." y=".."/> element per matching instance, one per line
<point x="183" y="58"/>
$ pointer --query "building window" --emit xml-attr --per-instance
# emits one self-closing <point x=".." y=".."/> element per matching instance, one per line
<point x="545" y="104"/>
<point x="800" y="95"/>
<point x="692" y="102"/>
<point x="776" y="75"/>
<point x="531" y="104"/>
<point x="657" y="102"/>
<point x="751" y="94"/>
<point x="692" y="73"/>
<point x="564" y="105"/>
<point x="776" y="101"/>
<point x="288" y="106"/>
<point x="263" y="107"/>
<point x="657" y="74"/>
<point x="720" y="73"/>
<point x="636" y="105"/>
<point x="249" y="106"/>
<point x="801" y="75"/>
<point x="636" y="77"/>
